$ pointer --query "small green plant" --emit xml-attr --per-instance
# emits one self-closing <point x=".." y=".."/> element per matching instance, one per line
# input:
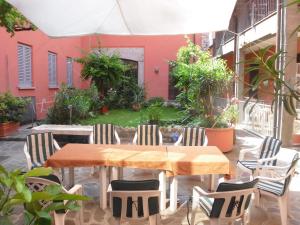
<point x="14" y="193"/>
<point x="154" y="113"/>
<point x="159" y="101"/>
<point x="11" y="108"/>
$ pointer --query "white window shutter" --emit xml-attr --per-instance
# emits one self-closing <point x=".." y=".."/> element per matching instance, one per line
<point x="69" y="71"/>
<point x="24" y="65"/>
<point x="52" y="69"/>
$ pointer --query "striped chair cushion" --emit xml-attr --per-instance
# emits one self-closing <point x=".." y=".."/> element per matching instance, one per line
<point x="249" y="164"/>
<point x="104" y="134"/>
<point x="148" y="135"/>
<point x="193" y="136"/>
<point x="270" y="148"/>
<point x="273" y="187"/>
<point x="206" y="204"/>
<point x="40" y="147"/>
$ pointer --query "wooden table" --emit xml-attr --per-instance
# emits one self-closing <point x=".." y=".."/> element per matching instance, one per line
<point x="172" y="161"/>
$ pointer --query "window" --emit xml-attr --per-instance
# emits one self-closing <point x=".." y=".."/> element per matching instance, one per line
<point x="69" y="71"/>
<point x="24" y="66"/>
<point x="52" y="69"/>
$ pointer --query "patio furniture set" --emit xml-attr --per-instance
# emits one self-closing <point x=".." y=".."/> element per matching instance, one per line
<point x="134" y="200"/>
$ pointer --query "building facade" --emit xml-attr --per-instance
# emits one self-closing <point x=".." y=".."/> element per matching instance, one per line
<point x="255" y="24"/>
<point x="33" y="65"/>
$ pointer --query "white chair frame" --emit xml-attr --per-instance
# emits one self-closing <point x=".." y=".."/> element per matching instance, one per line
<point x="159" y="134"/>
<point x="153" y="220"/>
<point x="282" y="200"/>
<point x="59" y="218"/>
<point x="177" y="143"/>
<point x="226" y="195"/>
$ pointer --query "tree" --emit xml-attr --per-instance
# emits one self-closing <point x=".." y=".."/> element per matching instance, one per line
<point x="12" y="20"/>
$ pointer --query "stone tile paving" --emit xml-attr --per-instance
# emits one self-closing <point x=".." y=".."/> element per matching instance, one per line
<point x="12" y="156"/>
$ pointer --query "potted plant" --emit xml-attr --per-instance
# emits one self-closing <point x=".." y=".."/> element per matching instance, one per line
<point x="201" y="79"/>
<point x="104" y="70"/>
<point x="138" y="99"/>
<point x="11" y="111"/>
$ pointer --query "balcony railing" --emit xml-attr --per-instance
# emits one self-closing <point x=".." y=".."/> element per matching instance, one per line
<point x="259" y="9"/>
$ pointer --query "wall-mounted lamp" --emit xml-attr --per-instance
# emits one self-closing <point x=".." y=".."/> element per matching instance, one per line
<point x="156" y="70"/>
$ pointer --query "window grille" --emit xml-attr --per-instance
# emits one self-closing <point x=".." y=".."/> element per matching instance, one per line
<point x="24" y="65"/>
<point x="52" y="69"/>
<point x="69" y="71"/>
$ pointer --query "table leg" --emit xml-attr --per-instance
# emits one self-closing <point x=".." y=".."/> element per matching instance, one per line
<point x="71" y="177"/>
<point x="103" y="187"/>
<point x="211" y="182"/>
<point x="163" y="189"/>
<point x="173" y="194"/>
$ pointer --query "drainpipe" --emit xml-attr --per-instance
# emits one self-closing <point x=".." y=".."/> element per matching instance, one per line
<point x="280" y="64"/>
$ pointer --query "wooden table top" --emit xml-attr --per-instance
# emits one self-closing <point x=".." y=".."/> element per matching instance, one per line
<point x="178" y="160"/>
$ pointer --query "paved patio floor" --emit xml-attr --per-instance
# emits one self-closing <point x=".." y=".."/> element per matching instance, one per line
<point x="12" y="156"/>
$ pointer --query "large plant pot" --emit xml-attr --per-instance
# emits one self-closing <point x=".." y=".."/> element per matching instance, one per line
<point x="8" y="128"/>
<point x="220" y="137"/>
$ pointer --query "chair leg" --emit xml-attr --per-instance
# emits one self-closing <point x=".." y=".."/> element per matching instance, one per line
<point x="158" y="219"/>
<point x="283" y="209"/>
<point x="214" y="222"/>
<point x="80" y="213"/>
<point x="194" y="205"/>
<point x="59" y="218"/>
<point x="245" y="218"/>
<point x="117" y="221"/>
<point x="153" y="220"/>
<point x="256" y="198"/>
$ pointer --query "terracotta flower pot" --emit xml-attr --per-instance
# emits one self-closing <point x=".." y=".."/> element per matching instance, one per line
<point x="8" y="128"/>
<point x="105" y="109"/>
<point x="220" y="137"/>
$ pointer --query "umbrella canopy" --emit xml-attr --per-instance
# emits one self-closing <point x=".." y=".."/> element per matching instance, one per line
<point x="62" y="18"/>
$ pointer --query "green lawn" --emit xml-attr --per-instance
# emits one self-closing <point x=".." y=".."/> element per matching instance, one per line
<point x="129" y="118"/>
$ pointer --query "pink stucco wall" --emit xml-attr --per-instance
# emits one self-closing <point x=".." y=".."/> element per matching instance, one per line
<point x="158" y="50"/>
<point x="41" y="44"/>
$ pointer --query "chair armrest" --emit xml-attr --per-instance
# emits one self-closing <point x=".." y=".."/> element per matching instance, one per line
<point x="205" y="141"/>
<point x="134" y="141"/>
<point x="178" y="140"/>
<point x="117" y="137"/>
<point x="56" y="146"/>
<point x="160" y="138"/>
<point x="200" y="191"/>
<point x="271" y="178"/>
<point x="76" y="189"/>
<point x="261" y="161"/>
<point x="247" y="150"/>
<point x="28" y="158"/>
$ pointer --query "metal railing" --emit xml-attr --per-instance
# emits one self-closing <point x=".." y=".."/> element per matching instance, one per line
<point x="257" y="117"/>
<point x="259" y="9"/>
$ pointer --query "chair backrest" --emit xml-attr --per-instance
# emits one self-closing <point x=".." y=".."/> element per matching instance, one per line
<point x="290" y="173"/>
<point x="40" y="147"/>
<point x="38" y="184"/>
<point x="104" y="134"/>
<point x="135" y="199"/>
<point x="148" y="135"/>
<point x="193" y="136"/>
<point x="270" y="147"/>
<point x="234" y="200"/>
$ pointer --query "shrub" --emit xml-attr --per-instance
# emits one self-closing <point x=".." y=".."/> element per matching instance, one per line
<point x="159" y="101"/>
<point x="74" y="103"/>
<point x="11" y="107"/>
<point x="154" y="113"/>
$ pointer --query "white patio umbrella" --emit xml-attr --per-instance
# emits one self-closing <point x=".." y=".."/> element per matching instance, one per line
<point x="61" y="18"/>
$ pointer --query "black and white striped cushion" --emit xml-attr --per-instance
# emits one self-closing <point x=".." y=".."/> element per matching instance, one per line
<point x="40" y="147"/>
<point x="104" y="134"/>
<point x="249" y="164"/>
<point x="148" y="135"/>
<point x="193" y="136"/>
<point x="276" y="188"/>
<point x="206" y="204"/>
<point x="270" y="148"/>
